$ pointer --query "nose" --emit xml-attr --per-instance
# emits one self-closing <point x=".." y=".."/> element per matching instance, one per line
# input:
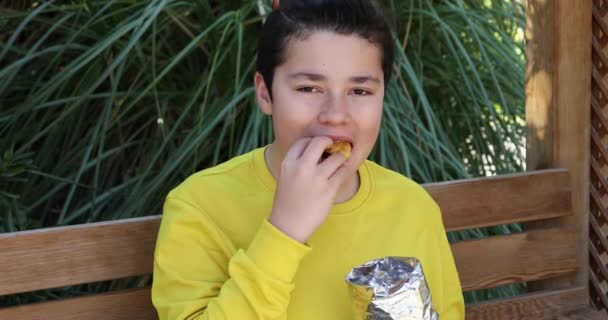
<point x="334" y="111"/>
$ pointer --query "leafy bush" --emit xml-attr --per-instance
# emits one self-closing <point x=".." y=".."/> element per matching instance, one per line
<point x="107" y="105"/>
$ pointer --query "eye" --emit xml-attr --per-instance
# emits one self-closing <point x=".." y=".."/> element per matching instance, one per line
<point x="308" y="89"/>
<point x="361" y="92"/>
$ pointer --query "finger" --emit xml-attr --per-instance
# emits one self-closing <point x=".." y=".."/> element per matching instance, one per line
<point x="297" y="148"/>
<point x="340" y="175"/>
<point x="315" y="149"/>
<point x="328" y="166"/>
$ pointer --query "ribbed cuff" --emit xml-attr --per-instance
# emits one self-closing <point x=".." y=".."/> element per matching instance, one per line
<point x="276" y="253"/>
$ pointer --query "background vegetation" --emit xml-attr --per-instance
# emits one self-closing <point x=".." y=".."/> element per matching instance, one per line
<point x="107" y="105"/>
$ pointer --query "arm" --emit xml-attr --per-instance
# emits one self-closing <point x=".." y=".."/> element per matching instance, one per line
<point x="198" y="274"/>
<point x="450" y="301"/>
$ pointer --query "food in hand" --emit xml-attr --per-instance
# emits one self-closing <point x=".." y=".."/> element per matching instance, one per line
<point x="343" y="147"/>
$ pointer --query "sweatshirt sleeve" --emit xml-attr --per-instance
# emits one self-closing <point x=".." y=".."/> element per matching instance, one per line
<point x="451" y="301"/>
<point x="199" y="274"/>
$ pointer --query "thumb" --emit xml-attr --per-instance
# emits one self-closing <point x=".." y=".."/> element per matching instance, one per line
<point x="340" y="176"/>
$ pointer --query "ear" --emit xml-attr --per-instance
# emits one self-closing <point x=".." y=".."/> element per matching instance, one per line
<point x="262" y="95"/>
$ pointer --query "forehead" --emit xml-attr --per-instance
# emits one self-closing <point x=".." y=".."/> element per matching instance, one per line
<point x="332" y="54"/>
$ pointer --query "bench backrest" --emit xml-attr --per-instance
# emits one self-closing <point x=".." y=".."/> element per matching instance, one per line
<point x="63" y="256"/>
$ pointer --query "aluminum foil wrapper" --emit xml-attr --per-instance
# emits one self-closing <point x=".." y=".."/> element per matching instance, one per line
<point x="391" y="288"/>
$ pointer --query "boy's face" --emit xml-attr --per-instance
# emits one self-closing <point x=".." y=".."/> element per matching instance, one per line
<point x="330" y="85"/>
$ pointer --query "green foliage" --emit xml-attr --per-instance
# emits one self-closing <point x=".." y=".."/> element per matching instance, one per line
<point x="107" y="105"/>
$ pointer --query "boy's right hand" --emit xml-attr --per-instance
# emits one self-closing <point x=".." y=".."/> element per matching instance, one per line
<point x="306" y="188"/>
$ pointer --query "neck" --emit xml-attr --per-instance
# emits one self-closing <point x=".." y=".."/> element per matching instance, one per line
<point x="347" y="190"/>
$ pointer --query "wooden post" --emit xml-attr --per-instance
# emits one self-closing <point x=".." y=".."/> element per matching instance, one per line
<point x="558" y="99"/>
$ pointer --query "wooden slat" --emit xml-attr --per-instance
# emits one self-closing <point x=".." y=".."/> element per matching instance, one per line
<point x="599" y="82"/>
<point x="598" y="174"/>
<point x="132" y="304"/>
<point x="597" y="47"/>
<point x="597" y="198"/>
<point x="596" y="261"/>
<point x="63" y="256"/>
<point x="500" y="260"/>
<point x="503" y="199"/>
<point x="595" y="282"/>
<point x="135" y="305"/>
<point x="56" y="257"/>
<point x="597" y="143"/>
<point x="599" y="115"/>
<point x="583" y="313"/>
<point x="598" y="275"/>
<point x="536" y="306"/>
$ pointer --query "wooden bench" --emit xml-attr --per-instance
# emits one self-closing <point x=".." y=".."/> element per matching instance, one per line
<point x="57" y="257"/>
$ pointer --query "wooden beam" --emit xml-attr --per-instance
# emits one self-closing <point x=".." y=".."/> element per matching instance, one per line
<point x="540" y="70"/>
<point x="558" y="89"/>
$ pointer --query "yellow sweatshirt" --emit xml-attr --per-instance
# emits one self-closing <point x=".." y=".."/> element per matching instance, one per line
<point x="217" y="256"/>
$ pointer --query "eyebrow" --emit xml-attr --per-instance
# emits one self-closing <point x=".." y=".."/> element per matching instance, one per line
<point x="364" y="79"/>
<point x="307" y="75"/>
<point x="319" y="77"/>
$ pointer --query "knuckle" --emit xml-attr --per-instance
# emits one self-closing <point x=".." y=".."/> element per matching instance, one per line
<point x="298" y="171"/>
<point x="286" y="166"/>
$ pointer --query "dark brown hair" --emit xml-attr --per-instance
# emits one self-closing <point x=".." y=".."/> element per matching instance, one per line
<point x="296" y="19"/>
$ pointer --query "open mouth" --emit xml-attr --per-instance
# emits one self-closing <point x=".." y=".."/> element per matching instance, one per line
<point x="343" y="147"/>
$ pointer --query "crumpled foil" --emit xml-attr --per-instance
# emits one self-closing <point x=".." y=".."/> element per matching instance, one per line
<point x="391" y="288"/>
